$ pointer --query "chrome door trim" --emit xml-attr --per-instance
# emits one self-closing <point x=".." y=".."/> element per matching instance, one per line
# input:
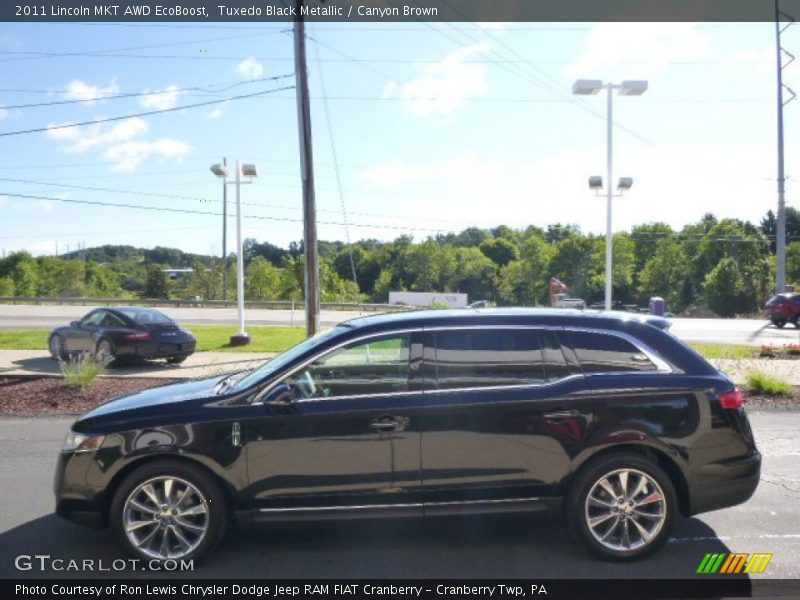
<point x="403" y="505"/>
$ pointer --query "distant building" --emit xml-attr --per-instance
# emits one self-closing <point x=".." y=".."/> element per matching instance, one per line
<point x="177" y="274"/>
<point x="423" y="299"/>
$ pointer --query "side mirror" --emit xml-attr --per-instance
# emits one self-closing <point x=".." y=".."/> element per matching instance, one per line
<point x="279" y="396"/>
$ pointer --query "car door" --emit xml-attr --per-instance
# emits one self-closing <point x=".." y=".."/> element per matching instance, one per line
<point x="503" y="415"/>
<point x="81" y="337"/>
<point x="341" y="433"/>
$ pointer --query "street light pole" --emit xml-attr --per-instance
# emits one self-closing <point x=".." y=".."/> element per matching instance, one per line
<point x="224" y="235"/>
<point x="609" y="232"/>
<point x="242" y="335"/>
<point x="626" y="88"/>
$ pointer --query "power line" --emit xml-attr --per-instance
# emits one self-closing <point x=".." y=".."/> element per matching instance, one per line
<point x="144" y="114"/>
<point x="140" y="94"/>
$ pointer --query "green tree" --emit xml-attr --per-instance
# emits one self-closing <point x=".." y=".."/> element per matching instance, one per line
<point x="25" y="275"/>
<point x="157" y="284"/>
<point x="665" y="273"/>
<point x="500" y="250"/>
<point x="6" y="286"/>
<point x="793" y="263"/>
<point x="263" y="280"/>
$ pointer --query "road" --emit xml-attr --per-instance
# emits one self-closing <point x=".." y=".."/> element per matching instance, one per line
<point x="475" y="547"/>
<point x="727" y="331"/>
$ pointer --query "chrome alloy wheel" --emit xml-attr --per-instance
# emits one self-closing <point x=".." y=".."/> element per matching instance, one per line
<point x="166" y="517"/>
<point x="625" y="510"/>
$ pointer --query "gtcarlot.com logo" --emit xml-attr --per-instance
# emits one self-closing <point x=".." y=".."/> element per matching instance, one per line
<point x="739" y="562"/>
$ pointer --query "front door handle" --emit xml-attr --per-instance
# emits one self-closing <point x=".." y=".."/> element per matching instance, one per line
<point x="389" y="423"/>
<point x="562" y="414"/>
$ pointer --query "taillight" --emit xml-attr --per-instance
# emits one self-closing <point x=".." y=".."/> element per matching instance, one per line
<point x="137" y="337"/>
<point x="731" y="400"/>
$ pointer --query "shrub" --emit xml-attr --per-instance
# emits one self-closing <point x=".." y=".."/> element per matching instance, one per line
<point x="82" y="372"/>
<point x="758" y="381"/>
<point x="768" y="351"/>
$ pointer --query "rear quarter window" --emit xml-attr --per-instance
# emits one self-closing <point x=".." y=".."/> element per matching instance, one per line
<point x="605" y="352"/>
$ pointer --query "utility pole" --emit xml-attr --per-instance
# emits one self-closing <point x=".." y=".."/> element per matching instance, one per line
<point x="224" y="235"/>
<point x="310" y="248"/>
<point x="780" y="232"/>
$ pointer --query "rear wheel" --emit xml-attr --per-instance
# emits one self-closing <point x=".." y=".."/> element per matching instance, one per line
<point x="57" y="347"/>
<point x="176" y="360"/>
<point x="168" y="510"/>
<point x="104" y="352"/>
<point x="622" y="506"/>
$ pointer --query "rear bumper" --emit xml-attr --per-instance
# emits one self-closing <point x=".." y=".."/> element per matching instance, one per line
<point x="156" y="350"/>
<point x="735" y="481"/>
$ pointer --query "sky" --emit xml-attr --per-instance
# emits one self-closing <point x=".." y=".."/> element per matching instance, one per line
<point x="417" y="128"/>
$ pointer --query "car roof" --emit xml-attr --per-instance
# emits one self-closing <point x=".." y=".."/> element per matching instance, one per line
<point x="503" y="316"/>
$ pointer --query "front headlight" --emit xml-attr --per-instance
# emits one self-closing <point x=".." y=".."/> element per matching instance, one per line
<point x="82" y="442"/>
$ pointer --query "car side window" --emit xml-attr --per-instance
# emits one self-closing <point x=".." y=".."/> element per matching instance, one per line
<point x="94" y="319"/>
<point x="477" y="358"/>
<point x="555" y="363"/>
<point x="598" y="352"/>
<point x="375" y="366"/>
<point x="112" y="320"/>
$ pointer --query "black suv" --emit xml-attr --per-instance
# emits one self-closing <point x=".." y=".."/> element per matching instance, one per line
<point x="607" y="416"/>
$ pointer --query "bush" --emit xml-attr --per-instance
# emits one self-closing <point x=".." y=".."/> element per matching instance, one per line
<point x="758" y="381"/>
<point x="82" y="372"/>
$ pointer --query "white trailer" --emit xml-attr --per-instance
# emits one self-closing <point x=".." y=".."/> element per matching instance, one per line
<point x="423" y="299"/>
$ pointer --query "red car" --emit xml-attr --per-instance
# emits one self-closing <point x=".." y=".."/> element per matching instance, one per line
<point x="784" y="308"/>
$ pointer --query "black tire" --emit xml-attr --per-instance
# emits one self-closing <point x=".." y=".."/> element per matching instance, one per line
<point x="104" y="351"/>
<point x="779" y="322"/>
<point x="579" y="511"/>
<point x="56" y="346"/>
<point x="215" y="516"/>
<point x="796" y="321"/>
<point x="176" y="360"/>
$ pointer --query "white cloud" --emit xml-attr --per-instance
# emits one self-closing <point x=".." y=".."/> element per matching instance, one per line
<point x="122" y="143"/>
<point x="217" y="112"/>
<point x="637" y="50"/>
<point x="82" y="139"/>
<point x="4" y="113"/>
<point x="161" y="99"/>
<point x="444" y="87"/>
<point x="80" y="90"/>
<point x="250" y="68"/>
<point x="128" y="156"/>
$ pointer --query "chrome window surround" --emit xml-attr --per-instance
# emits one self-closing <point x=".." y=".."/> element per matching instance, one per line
<point x="662" y="367"/>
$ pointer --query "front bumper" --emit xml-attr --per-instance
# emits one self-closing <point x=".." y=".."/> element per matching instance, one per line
<point x="734" y="482"/>
<point x="75" y="499"/>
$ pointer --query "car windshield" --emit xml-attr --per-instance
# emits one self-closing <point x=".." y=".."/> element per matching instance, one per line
<point x="145" y="316"/>
<point x="283" y="359"/>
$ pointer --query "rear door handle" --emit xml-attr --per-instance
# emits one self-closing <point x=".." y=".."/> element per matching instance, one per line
<point x="562" y="414"/>
<point x="389" y="423"/>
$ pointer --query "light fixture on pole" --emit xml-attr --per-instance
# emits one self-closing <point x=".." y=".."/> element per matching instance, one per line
<point x="587" y="87"/>
<point x="248" y="170"/>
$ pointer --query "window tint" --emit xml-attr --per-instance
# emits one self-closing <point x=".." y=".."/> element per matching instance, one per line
<point x="604" y="352"/>
<point x="112" y="320"/>
<point x="94" y="319"/>
<point x="145" y="316"/>
<point x="485" y="358"/>
<point x="555" y="365"/>
<point x="376" y="366"/>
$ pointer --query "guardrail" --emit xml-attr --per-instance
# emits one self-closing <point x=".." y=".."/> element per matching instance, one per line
<point x="269" y="304"/>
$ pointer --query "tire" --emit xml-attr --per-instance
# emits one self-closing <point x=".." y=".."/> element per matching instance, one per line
<point x="56" y="346"/>
<point x="655" y="518"/>
<point x="104" y="352"/>
<point x="779" y="322"/>
<point x="176" y="360"/>
<point x="192" y="489"/>
<point x="796" y="321"/>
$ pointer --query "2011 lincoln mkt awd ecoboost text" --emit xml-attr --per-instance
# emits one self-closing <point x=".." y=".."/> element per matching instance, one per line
<point x="606" y="417"/>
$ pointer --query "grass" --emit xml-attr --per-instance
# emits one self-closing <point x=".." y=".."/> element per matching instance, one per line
<point x="758" y="381"/>
<point x="82" y="372"/>
<point x="210" y="338"/>
<point x="726" y="351"/>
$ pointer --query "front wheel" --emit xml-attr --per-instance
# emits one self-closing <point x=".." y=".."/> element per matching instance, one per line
<point x="168" y="510"/>
<point x="622" y="506"/>
<point x="779" y="322"/>
<point x="57" y="348"/>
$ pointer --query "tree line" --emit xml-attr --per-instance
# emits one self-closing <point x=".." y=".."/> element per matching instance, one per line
<point x="726" y="265"/>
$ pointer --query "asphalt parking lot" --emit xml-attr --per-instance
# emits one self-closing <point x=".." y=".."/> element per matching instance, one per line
<point x="534" y="546"/>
